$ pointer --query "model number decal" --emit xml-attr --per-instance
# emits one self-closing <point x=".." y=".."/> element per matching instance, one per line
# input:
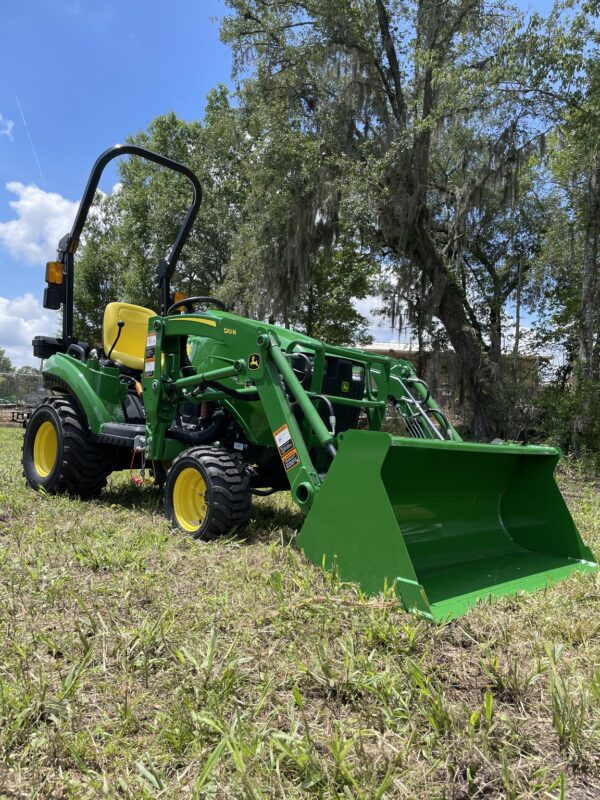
<point x="230" y="331"/>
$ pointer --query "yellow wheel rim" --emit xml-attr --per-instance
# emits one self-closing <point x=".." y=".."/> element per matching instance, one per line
<point x="189" y="499"/>
<point x="45" y="449"/>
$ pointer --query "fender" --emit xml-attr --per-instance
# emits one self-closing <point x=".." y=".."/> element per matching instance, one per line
<point x="95" y="388"/>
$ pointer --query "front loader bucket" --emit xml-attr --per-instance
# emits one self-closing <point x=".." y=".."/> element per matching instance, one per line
<point x="449" y="522"/>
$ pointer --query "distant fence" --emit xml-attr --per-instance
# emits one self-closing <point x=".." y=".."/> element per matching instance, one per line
<point x="20" y="389"/>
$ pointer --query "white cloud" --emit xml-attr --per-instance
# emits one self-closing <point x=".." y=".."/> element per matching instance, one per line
<point x="6" y="127"/>
<point x="20" y="320"/>
<point x="41" y="219"/>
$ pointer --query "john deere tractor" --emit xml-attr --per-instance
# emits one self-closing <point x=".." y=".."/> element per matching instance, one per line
<point x="219" y="407"/>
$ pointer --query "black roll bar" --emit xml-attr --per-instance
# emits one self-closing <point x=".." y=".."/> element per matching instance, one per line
<point x="68" y="245"/>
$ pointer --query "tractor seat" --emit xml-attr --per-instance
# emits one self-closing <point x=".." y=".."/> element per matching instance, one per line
<point x="131" y="344"/>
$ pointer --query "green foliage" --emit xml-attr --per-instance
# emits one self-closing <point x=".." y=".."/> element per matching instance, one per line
<point x="101" y="268"/>
<point x="325" y="309"/>
<point x="567" y="274"/>
<point x="21" y="385"/>
<point x="133" y="228"/>
<point x="29" y="370"/>
<point x="561" y="410"/>
<point x="6" y="364"/>
<point x="7" y="383"/>
<point x="419" y="126"/>
<point x="440" y="153"/>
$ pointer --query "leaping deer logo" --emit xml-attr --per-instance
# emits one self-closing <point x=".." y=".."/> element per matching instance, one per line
<point x="254" y="361"/>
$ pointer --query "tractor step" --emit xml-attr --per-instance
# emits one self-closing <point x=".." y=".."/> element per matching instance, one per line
<point x="122" y="434"/>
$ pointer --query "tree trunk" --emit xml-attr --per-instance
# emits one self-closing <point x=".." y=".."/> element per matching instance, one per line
<point x="517" y="342"/>
<point x="310" y="310"/>
<point x="496" y="327"/>
<point x="421" y="322"/>
<point x="413" y="240"/>
<point x="589" y="273"/>
<point x="421" y="348"/>
<point x="480" y="375"/>
<point x="587" y="318"/>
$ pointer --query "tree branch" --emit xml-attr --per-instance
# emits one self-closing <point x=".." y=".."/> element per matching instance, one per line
<point x="397" y="97"/>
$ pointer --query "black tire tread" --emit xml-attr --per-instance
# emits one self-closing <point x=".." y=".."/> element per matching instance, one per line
<point x="229" y="486"/>
<point x="85" y="465"/>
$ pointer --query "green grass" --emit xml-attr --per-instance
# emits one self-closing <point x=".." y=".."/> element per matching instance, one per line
<point x="136" y="663"/>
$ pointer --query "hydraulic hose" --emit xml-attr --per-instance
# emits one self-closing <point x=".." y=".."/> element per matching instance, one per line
<point x="205" y="436"/>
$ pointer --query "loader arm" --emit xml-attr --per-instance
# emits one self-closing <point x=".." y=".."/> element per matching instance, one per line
<point x="255" y="361"/>
<point x="249" y="358"/>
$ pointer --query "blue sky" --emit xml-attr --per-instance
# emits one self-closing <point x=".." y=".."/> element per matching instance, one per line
<point x="79" y="76"/>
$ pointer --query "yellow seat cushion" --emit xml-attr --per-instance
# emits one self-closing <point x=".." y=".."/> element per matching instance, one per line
<point x="131" y="345"/>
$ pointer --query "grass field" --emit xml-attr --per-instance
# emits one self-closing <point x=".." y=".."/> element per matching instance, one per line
<point x="136" y="663"/>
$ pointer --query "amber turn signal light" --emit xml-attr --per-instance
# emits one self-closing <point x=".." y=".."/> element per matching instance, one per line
<point x="54" y="272"/>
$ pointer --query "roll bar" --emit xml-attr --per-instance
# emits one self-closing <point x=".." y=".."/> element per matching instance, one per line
<point x="68" y="245"/>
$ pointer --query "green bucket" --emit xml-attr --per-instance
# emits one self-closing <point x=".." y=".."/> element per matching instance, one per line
<point x="450" y="523"/>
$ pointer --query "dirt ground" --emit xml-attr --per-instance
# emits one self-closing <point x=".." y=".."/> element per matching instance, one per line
<point x="6" y="419"/>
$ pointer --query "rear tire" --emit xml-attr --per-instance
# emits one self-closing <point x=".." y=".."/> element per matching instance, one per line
<point x="207" y="493"/>
<point x="59" y="454"/>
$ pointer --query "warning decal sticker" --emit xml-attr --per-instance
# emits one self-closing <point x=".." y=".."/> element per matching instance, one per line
<point x="285" y="445"/>
<point x="149" y="354"/>
<point x="283" y="440"/>
<point x="291" y="460"/>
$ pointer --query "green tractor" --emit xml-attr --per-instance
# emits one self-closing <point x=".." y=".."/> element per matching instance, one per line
<point x="220" y="407"/>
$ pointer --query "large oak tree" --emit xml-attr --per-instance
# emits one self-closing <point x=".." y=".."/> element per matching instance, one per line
<point x="396" y="119"/>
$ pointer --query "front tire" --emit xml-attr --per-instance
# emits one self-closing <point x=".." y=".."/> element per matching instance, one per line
<point x="207" y="493"/>
<point x="59" y="454"/>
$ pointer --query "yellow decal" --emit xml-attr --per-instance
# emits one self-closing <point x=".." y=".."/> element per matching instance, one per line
<point x="230" y="331"/>
<point x="202" y="321"/>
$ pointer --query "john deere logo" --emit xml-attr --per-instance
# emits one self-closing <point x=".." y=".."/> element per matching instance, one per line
<point x="254" y="361"/>
<point x="345" y="386"/>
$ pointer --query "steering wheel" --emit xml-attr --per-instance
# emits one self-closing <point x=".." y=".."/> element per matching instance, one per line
<point x="188" y="302"/>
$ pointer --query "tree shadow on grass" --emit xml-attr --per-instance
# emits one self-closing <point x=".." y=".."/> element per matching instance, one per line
<point x="122" y="492"/>
<point x="272" y="519"/>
